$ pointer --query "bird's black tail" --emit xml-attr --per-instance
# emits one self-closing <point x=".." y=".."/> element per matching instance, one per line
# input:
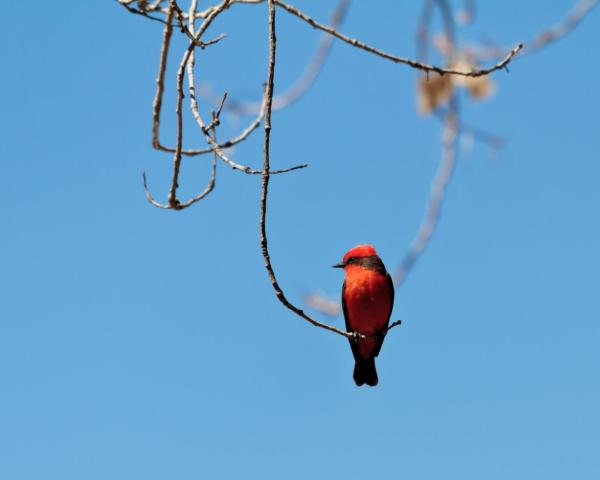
<point x="365" y="372"/>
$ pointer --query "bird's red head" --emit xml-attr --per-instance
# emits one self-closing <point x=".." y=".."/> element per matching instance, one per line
<point x="358" y="252"/>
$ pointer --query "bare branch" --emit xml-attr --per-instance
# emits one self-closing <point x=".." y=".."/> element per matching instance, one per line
<point x="265" y="184"/>
<point x="173" y="201"/>
<point x="224" y="145"/>
<point x="143" y="13"/>
<point x="436" y="197"/>
<point x="188" y="61"/>
<point x="390" y="326"/>
<point x="480" y="135"/>
<point x="157" y="104"/>
<point x="190" y="31"/>
<point x="412" y="63"/>
<point x="160" y="79"/>
<point x="180" y="206"/>
<point x="575" y="16"/>
<point x="204" y="127"/>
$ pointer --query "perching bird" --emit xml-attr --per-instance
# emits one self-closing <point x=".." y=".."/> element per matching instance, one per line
<point x="367" y="300"/>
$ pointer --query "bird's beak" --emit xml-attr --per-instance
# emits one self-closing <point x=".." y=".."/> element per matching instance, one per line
<point x="339" y="265"/>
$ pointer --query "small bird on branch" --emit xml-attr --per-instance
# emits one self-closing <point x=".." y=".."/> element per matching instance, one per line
<point x="367" y="301"/>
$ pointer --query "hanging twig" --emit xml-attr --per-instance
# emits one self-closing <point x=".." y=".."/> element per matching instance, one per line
<point x="173" y="201"/>
<point x="264" y="245"/>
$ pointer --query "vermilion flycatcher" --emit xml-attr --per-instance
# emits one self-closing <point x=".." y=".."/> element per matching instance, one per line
<point x="367" y="300"/>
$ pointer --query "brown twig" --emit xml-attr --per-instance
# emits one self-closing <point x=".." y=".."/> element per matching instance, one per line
<point x="180" y="206"/>
<point x="204" y="127"/>
<point x="388" y="56"/>
<point x="160" y="79"/>
<point x="265" y="184"/>
<point x="173" y="201"/>
<point x="188" y="63"/>
<point x="157" y="104"/>
<point x="390" y="326"/>
<point x="190" y="31"/>
<point x="143" y="13"/>
<point x="288" y="97"/>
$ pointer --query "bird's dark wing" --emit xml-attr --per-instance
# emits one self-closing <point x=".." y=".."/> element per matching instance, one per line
<point x="390" y="283"/>
<point x="353" y="344"/>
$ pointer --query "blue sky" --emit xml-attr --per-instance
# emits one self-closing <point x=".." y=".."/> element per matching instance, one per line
<point x="139" y="343"/>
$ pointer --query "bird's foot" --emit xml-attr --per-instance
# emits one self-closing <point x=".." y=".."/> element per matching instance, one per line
<point x="355" y="336"/>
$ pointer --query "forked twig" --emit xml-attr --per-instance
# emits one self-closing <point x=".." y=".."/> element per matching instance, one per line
<point x="180" y="206"/>
<point x="157" y="104"/>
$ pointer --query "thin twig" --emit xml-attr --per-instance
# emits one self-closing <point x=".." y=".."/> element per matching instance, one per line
<point x="180" y="206"/>
<point x="157" y="104"/>
<point x="575" y="16"/>
<point x="388" y="56"/>
<point x="480" y="135"/>
<point x="390" y="326"/>
<point x="265" y="184"/>
<point x="142" y="13"/>
<point x="173" y="201"/>
<point x="204" y="127"/>
<point x="160" y="79"/>
<point x="436" y="196"/>
<point x="190" y="31"/>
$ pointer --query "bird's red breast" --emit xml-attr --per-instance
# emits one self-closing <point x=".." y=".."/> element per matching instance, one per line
<point x="368" y="296"/>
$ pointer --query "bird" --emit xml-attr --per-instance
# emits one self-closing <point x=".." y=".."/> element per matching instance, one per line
<point x="367" y="302"/>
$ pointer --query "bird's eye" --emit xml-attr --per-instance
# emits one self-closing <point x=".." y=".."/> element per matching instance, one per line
<point x="351" y="259"/>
